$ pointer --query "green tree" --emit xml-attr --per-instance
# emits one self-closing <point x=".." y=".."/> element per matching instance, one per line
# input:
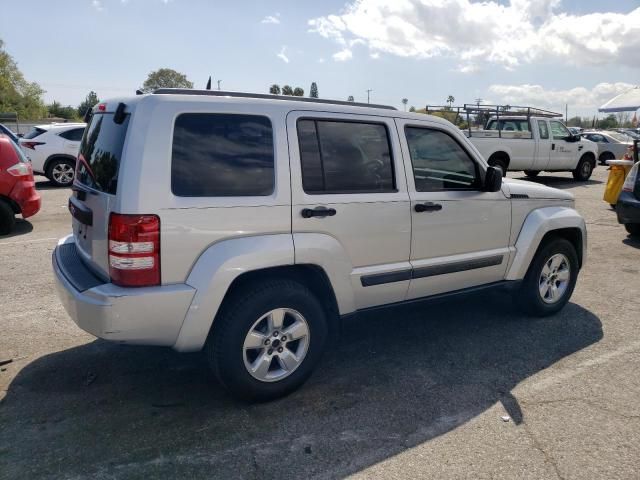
<point x="17" y="94"/>
<point x="412" y="108"/>
<point x="609" y="122"/>
<point x="165" y="78"/>
<point x="350" y="98"/>
<point x="575" y="122"/>
<point x="88" y="103"/>
<point x="404" y="103"/>
<point x="274" y="89"/>
<point x="57" y="110"/>
<point x="298" y="92"/>
<point x="287" y="90"/>
<point x="313" y="91"/>
<point x="450" y="100"/>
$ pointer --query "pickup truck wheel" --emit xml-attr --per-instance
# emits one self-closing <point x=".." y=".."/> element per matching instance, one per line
<point x="606" y="156"/>
<point x="551" y="278"/>
<point x="633" y="229"/>
<point x="7" y="218"/>
<point x="584" y="169"/>
<point x="532" y="173"/>
<point x="267" y="340"/>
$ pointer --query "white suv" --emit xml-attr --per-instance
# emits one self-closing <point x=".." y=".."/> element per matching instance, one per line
<point x="52" y="150"/>
<point x="249" y="225"/>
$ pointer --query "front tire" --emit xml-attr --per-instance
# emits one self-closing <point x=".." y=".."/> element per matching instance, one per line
<point x="61" y="172"/>
<point x="7" y="218"/>
<point x="551" y="278"/>
<point x="532" y="173"/>
<point x="633" y="229"/>
<point x="583" y="171"/>
<point x="606" y="156"/>
<point x="267" y="340"/>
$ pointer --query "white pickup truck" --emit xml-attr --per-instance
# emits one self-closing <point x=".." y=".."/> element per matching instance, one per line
<point x="534" y="144"/>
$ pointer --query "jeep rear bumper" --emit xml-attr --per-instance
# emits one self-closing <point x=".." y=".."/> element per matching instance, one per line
<point x="141" y="316"/>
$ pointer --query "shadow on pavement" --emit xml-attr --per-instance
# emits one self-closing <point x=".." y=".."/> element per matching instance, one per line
<point x="632" y="241"/>
<point x="559" y="182"/>
<point x="43" y="183"/>
<point x="392" y="381"/>
<point x="21" y="227"/>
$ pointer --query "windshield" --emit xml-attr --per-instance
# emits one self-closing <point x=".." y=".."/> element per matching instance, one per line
<point x="100" y="153"/>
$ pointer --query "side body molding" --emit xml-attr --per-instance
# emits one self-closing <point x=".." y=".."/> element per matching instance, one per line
<point x="216" y="269"/>
<point x="536" y="225"/>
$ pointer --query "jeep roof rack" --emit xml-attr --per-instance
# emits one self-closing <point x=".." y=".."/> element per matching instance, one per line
<point x="267" y="96"/>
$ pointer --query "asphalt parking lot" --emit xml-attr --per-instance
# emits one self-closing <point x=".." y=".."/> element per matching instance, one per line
<point x="408" y="393"/>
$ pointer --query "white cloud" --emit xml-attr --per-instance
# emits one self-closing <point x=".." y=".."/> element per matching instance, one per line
<point x="275" y="19"/>
<point x="343" y="55"/>
<point x="477" y="32"/>
<point x="321" y="60"/>
<point x="282" y="55"/>
<point x="577" y="98"/>
<point x="97" y="4"/>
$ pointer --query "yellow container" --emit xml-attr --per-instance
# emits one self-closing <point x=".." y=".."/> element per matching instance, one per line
<point x="617" y="173"/>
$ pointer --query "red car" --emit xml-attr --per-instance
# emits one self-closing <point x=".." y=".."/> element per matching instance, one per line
<point x="17" y="187"/>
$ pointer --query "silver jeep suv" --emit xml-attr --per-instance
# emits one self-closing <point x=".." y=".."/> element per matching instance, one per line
<point x="249" y="225"/>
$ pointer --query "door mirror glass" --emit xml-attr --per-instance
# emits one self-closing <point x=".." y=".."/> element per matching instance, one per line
<point x="493" y="179"/>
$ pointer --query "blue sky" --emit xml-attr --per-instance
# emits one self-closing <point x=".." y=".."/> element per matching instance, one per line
<point x="556" y="52"/>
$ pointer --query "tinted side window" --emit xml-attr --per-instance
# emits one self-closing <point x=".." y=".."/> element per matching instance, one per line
<point x="439" y="162"/>
<point x="345" y="157"/>
<point x="542" y="128"/>
<point x="35" y="132"/>
<point x="74" y="135"/>
<point x="558" y="130"/>
<point x="222" y="155"/>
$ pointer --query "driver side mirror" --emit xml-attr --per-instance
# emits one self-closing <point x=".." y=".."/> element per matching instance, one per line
<point x="573" y="138"/>
<point x="493" y="179"/>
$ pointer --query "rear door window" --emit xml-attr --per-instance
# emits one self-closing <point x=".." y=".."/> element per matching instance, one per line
<point x="345" y="157"/>
<point x="74" y="135"/>
<point x="101" y="152"/>
<point x="222" y="155"/>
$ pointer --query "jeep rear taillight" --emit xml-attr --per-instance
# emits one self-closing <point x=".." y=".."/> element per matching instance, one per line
<point x="134" y="250"/>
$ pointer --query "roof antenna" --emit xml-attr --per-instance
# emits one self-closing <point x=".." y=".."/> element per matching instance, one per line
<point x="209" y="84"/>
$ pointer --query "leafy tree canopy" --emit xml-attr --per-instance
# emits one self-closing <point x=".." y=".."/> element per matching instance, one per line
<point x="89" y="102"/>
<point x="165" y="78"/>
<point x="17" y="94"/>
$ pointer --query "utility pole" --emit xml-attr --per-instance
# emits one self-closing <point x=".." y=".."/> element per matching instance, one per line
<point x="219" y="84"/>
<point x="368" y="94"/>
<point x="566" y="113"/>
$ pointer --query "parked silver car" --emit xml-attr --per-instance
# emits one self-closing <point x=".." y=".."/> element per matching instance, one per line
<point x="611" y="145"/>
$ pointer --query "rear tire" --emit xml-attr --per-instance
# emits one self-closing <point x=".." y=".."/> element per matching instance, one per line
<point x="60" y="172"/>
<point x="7" y="218"/>
<point x="551" y="278"/>
<point x="633" y="229"/>
<point x="606" y="156"/>
<point x="245" y="347"/>
<point x="532" y="173"/>
<point x="583" y="171"/>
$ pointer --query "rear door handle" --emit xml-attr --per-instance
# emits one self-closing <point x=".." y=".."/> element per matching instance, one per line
<point x="427" y="207"/>
<point x="319" y="212"/>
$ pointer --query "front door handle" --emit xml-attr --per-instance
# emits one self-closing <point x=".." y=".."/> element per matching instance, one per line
<point x="553" y="146"/>
<point x="427" y="207"/>
<point x="319" y="212"/>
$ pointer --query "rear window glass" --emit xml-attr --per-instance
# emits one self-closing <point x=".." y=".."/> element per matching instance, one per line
<point x="35" y="131"/>
<point x="509" y="125"/>
<point x="100" y="153"/>
<point x="222" y="155"/>
<point x="21" y="156"/>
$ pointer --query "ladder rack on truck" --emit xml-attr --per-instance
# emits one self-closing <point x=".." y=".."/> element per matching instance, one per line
<point x="490" y="112"/>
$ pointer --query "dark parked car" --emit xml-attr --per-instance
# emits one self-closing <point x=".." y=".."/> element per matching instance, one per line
<point x="628" y="206"/>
